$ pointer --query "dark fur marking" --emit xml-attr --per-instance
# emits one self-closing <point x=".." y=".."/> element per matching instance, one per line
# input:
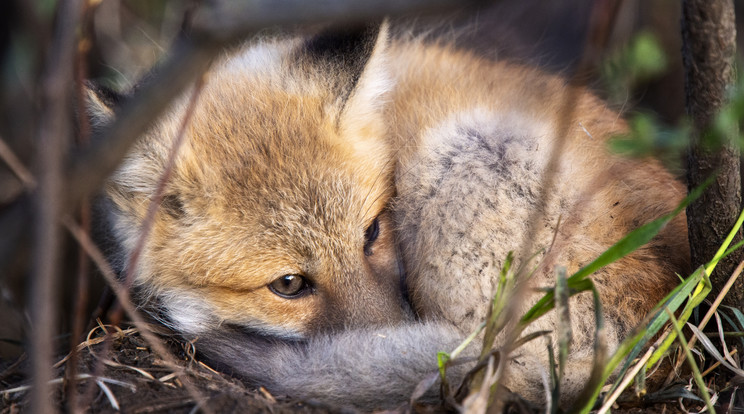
<point x="106" y="95"/>
<point x="173" y="205"/>
<point x="347" y="48"/>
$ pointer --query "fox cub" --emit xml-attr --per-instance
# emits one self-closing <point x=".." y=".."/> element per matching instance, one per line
<point x="344" y="203"/>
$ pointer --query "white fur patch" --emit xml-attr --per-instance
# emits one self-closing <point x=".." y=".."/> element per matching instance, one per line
<point x="373" y="85"/>
<point x="188" y="312"/>
<point x="264" y="57"/>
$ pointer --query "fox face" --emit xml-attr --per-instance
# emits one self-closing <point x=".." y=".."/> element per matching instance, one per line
<point x="275" y="217"/>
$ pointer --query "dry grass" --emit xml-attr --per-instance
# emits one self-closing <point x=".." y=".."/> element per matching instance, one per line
<point x="124" y="374"/>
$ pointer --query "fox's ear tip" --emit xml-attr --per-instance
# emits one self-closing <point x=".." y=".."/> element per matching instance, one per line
<point x="101" y="101"/>
<point x="344" y="49"/>
<point x="343" y="41"/>
<point x="103" y="94"/>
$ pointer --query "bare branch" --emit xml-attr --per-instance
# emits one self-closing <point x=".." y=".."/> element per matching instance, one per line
<point x="125" y="300"/>
<point x="226" y="20"/>
<point x="157" y="197"/>
<point x="53" y="134"/>
<point x="15" y="165"/>
<point x="601" y="22"/>
<point x="221" y="25"/>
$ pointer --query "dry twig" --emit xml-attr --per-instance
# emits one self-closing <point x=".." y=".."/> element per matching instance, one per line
<point x="53" y="134"/>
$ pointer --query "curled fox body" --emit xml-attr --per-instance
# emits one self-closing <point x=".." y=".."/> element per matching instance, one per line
<point x="344" y="203"/>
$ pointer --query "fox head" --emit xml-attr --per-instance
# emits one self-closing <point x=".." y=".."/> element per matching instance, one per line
<point x="274" y="219"/>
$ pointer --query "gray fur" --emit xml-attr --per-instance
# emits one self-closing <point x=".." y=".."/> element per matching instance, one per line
<point x="362" y="368"/>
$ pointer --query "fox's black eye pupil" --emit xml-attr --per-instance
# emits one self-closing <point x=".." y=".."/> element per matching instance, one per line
<point x="289" y="286"/>
<point x="370" y="235"/>
<point x="372" y="231"/>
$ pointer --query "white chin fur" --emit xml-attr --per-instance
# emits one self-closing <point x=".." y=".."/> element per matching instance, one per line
<point x="187" y="312"/>
<point x="191" y="314"/>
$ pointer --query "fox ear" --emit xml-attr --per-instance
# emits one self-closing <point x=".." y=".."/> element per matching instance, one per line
<point x="100" y="103"/>
<point x="359" y="74"/>
<point x="346" y="53"/>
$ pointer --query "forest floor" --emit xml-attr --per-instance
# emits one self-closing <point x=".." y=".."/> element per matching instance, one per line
<point x="132" y="379"/>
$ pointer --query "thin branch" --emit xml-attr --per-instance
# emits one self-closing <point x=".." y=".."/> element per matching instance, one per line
<point x="15" y="165"/>
<point x="225" y="20"/>
<point x="157" y="197"/>
<point x="79" y="320"/>
<point x="53" y="133"/>
<point x="124" y="299"/>
<point x="214" y="28"/>
<point x="602" y="19"/>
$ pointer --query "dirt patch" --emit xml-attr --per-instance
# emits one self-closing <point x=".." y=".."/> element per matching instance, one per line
<point x="132" y="379"/>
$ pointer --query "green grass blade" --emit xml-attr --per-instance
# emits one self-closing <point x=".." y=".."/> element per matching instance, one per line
<point x="695" y="370"/>
<point x="699" y="294"/>
<point x="640" y="381"/>
<point x="495" y="319"/>
<point x="738" y="315"/>
<point x="739" y="318"/>
<point x="595" y="381"/>
<point x="711" y="348"/>
<point x="622" y="248"/>
<point x="637" y="237"/>
<point x="722" y="251"/>
<point x="442" y="359"/>
<point x="555" y="379"/>
<point x="733" y="248"/>
<point x="547" y="302"/>
<point x="632" y="346"/>
<point x="563" y="319"/>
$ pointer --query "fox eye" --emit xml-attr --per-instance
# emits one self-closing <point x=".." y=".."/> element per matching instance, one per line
<point x="290" y="286"/>
<point x="370" y="235"/>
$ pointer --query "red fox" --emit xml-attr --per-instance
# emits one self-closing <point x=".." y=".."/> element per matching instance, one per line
<point x="344" y="203"/>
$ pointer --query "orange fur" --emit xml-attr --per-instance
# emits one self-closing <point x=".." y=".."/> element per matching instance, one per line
<point x="290" y="158"/>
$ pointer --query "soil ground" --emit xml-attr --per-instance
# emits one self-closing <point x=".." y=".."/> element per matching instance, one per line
<point x="137" y="381"/>
<point x="140" y="382"/>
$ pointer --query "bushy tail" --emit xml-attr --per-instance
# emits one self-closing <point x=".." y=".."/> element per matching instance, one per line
<point x="374" y="368"/>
